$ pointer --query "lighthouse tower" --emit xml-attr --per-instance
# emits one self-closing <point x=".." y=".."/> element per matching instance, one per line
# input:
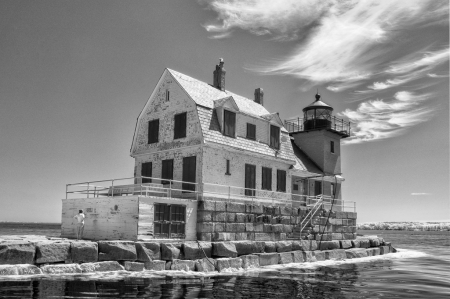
<point x="319" y="136"/>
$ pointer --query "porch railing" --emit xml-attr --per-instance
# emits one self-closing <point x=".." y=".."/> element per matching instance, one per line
<point x="175" y="189"/>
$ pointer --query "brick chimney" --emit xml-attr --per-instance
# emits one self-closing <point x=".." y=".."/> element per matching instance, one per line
<point x="259" y="96"/>
<point x="219" y="76"/>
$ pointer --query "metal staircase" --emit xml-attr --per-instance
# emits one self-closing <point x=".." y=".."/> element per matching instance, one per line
<point x="307" y="222"/>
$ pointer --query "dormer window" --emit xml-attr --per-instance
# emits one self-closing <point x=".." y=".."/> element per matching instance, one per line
<point x="251" y="131"/>
<point x="229" y="123"/>
<point x="274" y="137"/>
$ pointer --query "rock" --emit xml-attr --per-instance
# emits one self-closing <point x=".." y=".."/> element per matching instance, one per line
<point x="19" y="269"/>
<point x="155" y="265"/>
<point x="206" y="205"/>
<point x="319" y="255"/>
<point x="219" y="216"/>
<point x="243" y="236"/>
<point x="204" y="216"/>
<point x="308" y="245"/>
<point x="17" y="253"/>
<point x="241" y="217"/>
<point x="224" y="236"/>
<point x="263" y="236"/>
<point x="270" y="247"/>
<point x="148" y="251"/>
<point x="267" y="228"/>
<point x="345" y="244"/>
<point x="205" y="265"/>
<point x="223" y="249"/>
<point x="170" y="251"/>
<point x="194" y="251"/>
<point x="235" y="227"/>
<point x="205" y="227"/>
<point x="356" y="243"/>
<point x="235" y="207"/>
<point x="297" y="256"/>
<point x="285" y="258"/>
<point x="308" y="256"/>
<point x="296" y="245"/>
<point x="258" y="227"/>
<point x="52" y="252"/>
<point x="246" y="247"/>
<point x="101" y="267"/>
<point x="231" y="217"/>
<point x="364" y="243"/>
<point x="168" y="265"/>
<point x="278" y="228"/>
<point x="329" y="245"/>
<point x="374" y="242"/>
<point x="205" y="236"/>
<point x="384" y="249"/>
<point x="338" y="254"/>
<point x="84" y="252"/>
<point x="250" y="261"/>
<point x="249" y="227"/>
<point x="376" y="251"/>
<point x="355" y="253"/>
<point x="61" y="269"/>
<point x="134" y="266"/>
<point x="116" y="251"/>
<point x="254" y="208"/>
<point x="229" y="263"/>
<point x="266" y="259"/>
<point x="284" y="246"/>
<point x="183" y="265"/>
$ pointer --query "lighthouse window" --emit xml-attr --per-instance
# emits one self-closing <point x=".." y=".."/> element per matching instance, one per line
<point x="332" y="146"/>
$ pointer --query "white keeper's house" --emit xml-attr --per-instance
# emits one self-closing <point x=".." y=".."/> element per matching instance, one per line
<point x="198" y="141"/>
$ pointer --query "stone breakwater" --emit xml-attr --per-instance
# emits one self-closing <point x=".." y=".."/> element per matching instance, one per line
<point x="61" y="256"/>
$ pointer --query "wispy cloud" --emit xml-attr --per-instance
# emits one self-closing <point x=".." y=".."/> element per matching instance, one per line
<point x="421" y="194"/>
<point x="432" y="75"/>
<point x="380" y="119"/>
<point x="341" y="39"/>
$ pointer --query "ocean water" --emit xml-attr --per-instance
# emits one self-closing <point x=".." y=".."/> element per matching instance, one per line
<point x="421" y="269"/>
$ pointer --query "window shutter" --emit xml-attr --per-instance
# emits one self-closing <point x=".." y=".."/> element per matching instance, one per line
<point x="281" y="181"/>
<point x="153" y="131"/>
<point x="146" y="171"/>
<point x="180" y="125"/>
<point x="189" y="173"/>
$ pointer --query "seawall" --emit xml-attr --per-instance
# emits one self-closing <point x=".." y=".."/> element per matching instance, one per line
<point x="60" y="256"/>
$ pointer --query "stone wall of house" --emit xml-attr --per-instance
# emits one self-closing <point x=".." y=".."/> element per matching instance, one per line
<point x="229" y="221"/>
<point x="214" y="171"/>
<point x="165" y="108"/>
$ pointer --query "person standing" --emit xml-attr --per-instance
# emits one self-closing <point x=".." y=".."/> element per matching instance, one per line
<point x="80" y="224"/>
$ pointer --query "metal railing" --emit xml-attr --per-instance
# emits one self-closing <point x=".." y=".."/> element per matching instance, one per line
<point x="175" y="189"/>
<point x="331" y="122"/>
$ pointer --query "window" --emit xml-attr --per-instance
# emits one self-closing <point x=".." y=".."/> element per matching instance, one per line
<point x="180" y="126"/>
<point x="153" y="131"/>
<point x="250" y="179"/>
<point x="295" y="187"/>
<point x="229" y="122"/>
<point x="266" y="178"/>
<point x="167" y="95"/>
<point x="251" y="131"/>
<point x="332" y="146"/>
<point x="189" y="171"/>
<point x="146" y="171"/>
<point x="169" y="221"/>
<point x="167" y="171"/>
<point x="228" y="167"/>
<point x="281" y="181"/>
<point x="317" y="187"/>
<point x="274" y="137"/>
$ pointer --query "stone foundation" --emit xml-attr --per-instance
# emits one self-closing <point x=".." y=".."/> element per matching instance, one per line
<point x="79" y="256"/>
<point x="231" y="221"/>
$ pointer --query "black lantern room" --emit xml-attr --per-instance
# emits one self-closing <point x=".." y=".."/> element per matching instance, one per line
<point x="317" y="115"/>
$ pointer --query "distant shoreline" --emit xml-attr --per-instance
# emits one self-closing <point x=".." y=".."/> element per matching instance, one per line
<point x="405" y="225"/>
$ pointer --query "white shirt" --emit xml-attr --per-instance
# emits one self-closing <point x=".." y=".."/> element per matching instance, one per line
<point x="80" y="218"/>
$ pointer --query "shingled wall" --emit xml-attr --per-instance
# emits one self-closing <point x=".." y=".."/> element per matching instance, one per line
<point x="231" y="221"/>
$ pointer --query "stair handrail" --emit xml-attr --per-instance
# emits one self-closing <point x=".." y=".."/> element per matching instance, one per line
<point x="311" y="214"/>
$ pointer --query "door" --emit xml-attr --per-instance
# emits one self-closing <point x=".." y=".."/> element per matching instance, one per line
<point x="317" y="187"/>
<point x="250" y="179"/>
<point x="167" y="171"/>
<point x="146" y="172"/>
<point x="189" y="173"/>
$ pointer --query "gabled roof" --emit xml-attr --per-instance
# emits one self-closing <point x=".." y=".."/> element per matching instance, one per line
<point x="303" y="162"/>
<point x="211" y="133"/>
<point x="204" y="95"/>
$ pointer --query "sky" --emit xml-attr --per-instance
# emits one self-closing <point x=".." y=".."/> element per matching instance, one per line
<point x="76" y="74"/>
